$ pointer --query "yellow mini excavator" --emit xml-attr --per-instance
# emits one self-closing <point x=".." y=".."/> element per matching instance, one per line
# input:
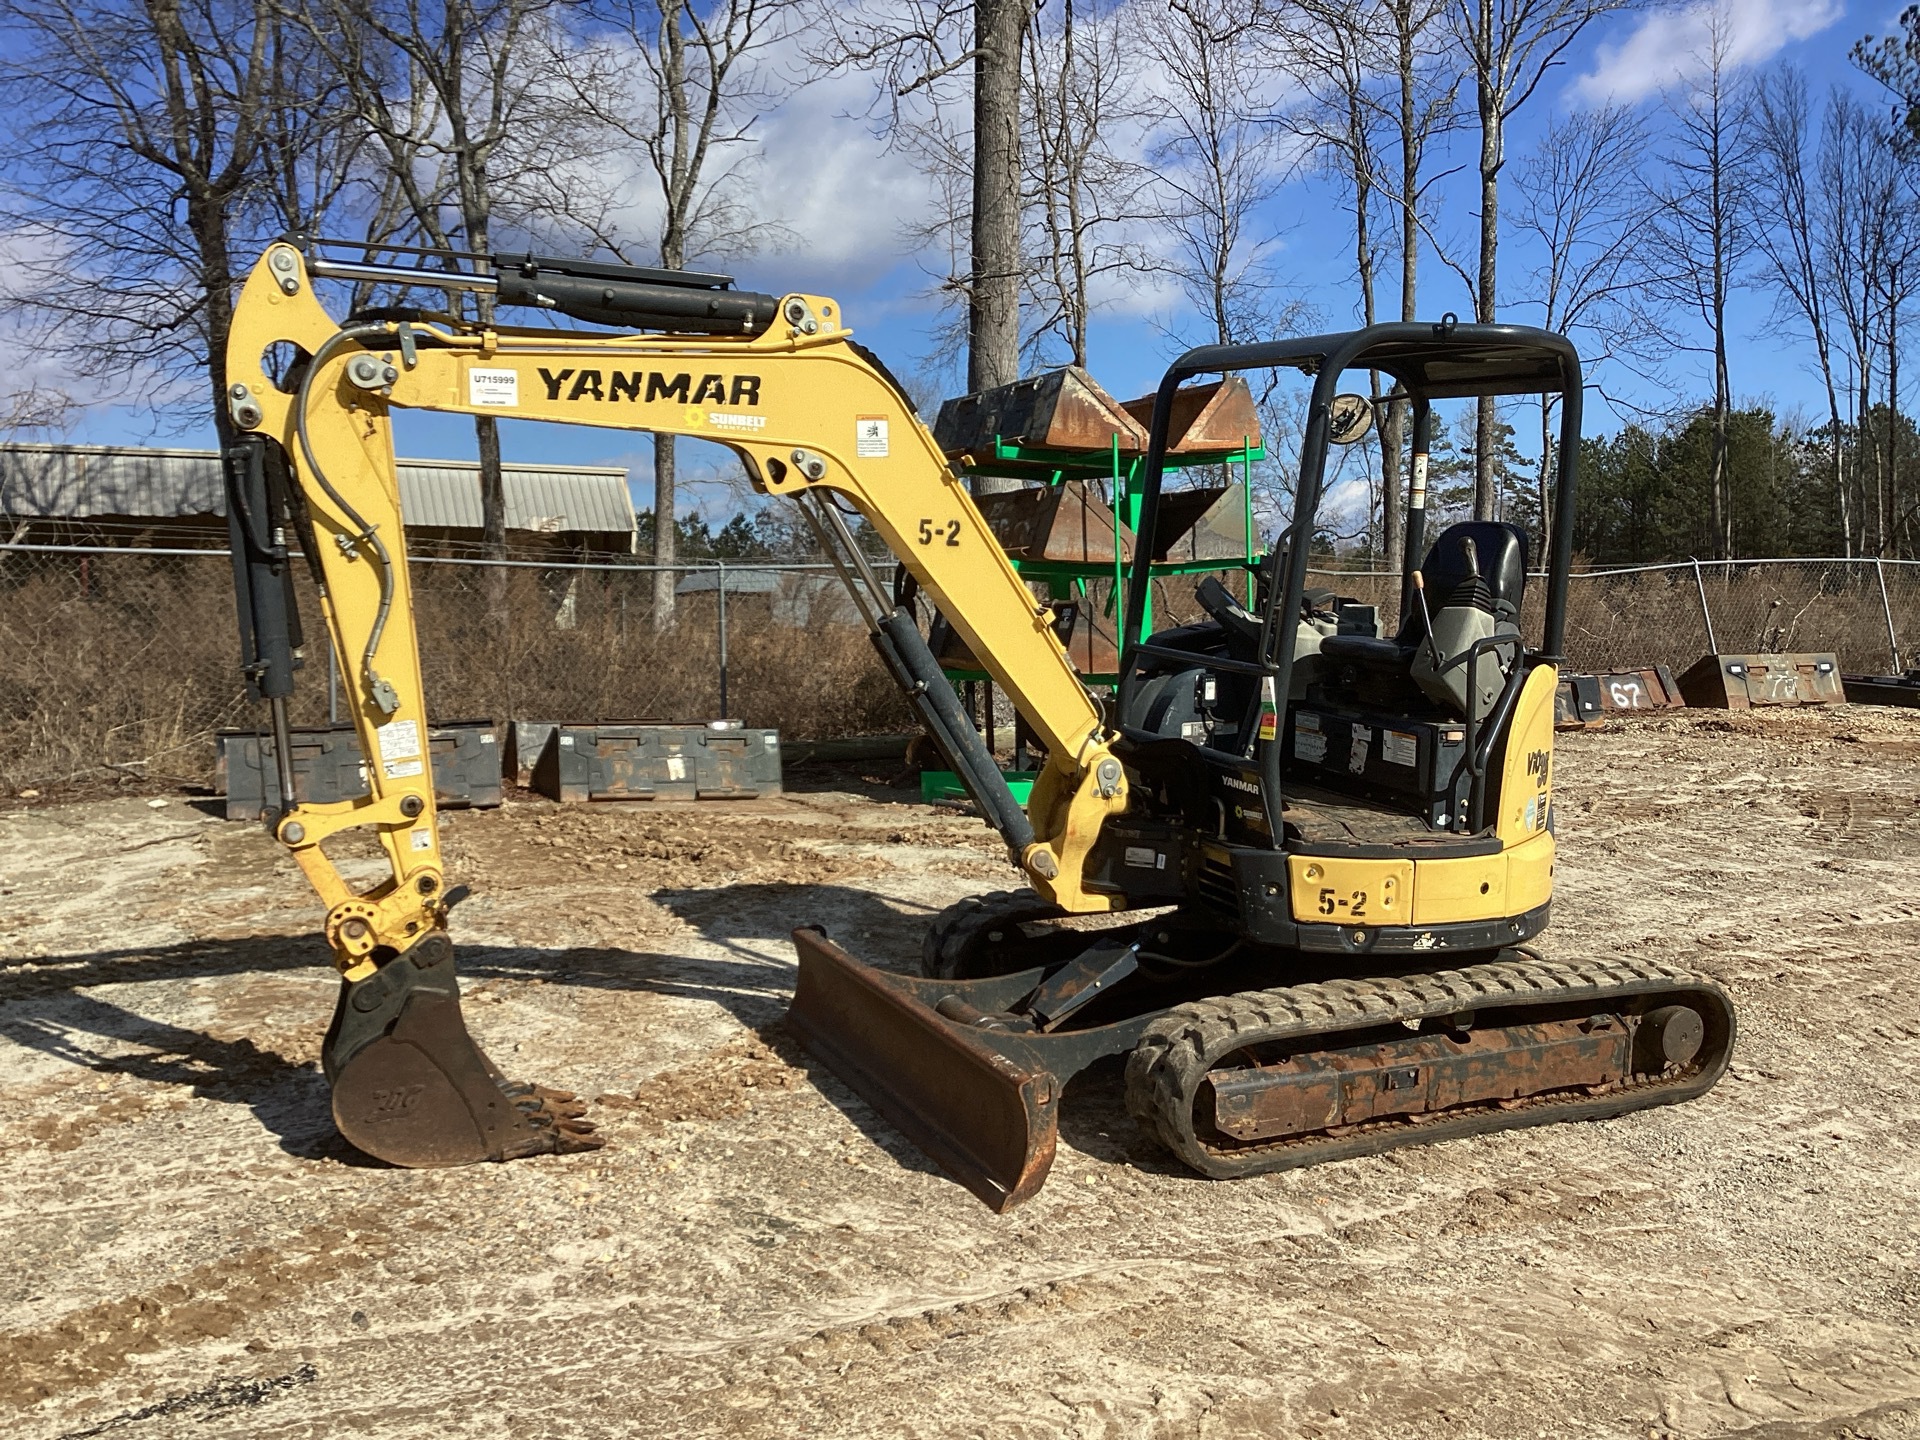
<point x="1338" y="843"/>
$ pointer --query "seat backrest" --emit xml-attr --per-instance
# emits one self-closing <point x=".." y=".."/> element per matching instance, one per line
<point x="1499" y="553"/>
<point x="1492" y="577"/>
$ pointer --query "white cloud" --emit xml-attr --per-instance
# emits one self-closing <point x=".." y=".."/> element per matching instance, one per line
<point x="826" y="177"/>
<point x="813" y="168"/>
<point x="1673" y="45"/>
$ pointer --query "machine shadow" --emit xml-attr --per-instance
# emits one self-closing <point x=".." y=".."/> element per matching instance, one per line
<point x="49" y="1003"/>
<point x="743" y="919"/>
<point x="289" y="1098"/>
<point x="1093" y="1116"/>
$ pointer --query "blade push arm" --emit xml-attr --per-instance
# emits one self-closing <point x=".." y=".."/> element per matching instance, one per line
<point x="806" y="410"/>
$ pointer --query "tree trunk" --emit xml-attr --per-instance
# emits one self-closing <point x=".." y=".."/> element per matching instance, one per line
<point x="1361" y="156"/>
<point x="493" y="484"/>
<point x="666" y="534"/>
<point x="993" y="284"/>
<point x="1393" y="430"/>
<point x="1718" y="498"/>
<point x="1486" y="502"/>
<point x="493" y="489"/>
<point x="1393" y="533"/>
<point x="666" y="455"/>
<point x="1894" y="525"/>
<point x="206" y="218"/>
<point x="1839" y="460"/>
<point x="486" y="429"/>
<point x="1546" y="477"/>
<point x="1864" y="443"/>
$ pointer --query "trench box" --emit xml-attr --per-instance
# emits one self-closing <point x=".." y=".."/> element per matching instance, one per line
<point x="1741" y="682"/>
<point x="1584" y="699"/>
<point x="715" y="761"/>
<point x="328" y="767"/>
<point x="1883" y="689"/>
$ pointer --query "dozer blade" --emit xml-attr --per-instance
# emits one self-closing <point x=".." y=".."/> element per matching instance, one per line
<point x="411" y="1088"/>
<point x="981" y="1104"/>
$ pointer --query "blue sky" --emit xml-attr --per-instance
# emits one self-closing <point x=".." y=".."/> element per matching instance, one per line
<point x="852" y="195"/>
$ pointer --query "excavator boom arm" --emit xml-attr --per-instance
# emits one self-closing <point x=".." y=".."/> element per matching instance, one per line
<point x="812" y="416"/>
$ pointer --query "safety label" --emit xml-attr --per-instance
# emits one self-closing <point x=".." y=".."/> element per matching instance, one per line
<point x="1309" y="743"/>
<point x="423" y="840"/>
<point x="400" y="769"/>
<point x="1397" y="747"/>
<point x="498" y="388"/>
<point x="870" y="437"/>
<point x="1270" y="712"/>
<point x="400" y="740"/>
<point x="1145" y="857"/>
<point x="1360" y="742"/>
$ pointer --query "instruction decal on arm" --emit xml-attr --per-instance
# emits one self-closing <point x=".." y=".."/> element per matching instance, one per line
<point x="400" y="749"/>
<point x="870" y="437"/>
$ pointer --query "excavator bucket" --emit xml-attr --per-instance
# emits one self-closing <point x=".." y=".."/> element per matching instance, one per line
<point x="985" y="1109"/>
<point x="410" y="1086"/>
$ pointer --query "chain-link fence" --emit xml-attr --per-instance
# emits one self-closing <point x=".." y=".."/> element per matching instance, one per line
<point x="125" y="660"/>
<point x="1866" y="611"/>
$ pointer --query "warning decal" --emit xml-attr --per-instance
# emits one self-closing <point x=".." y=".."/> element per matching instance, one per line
<point x="870" y="437"/>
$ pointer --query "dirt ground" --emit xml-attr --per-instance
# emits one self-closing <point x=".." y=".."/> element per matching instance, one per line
<point x="190" y="1251"/>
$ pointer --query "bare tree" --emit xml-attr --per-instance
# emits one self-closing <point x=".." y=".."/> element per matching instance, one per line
<point x="1083" y="189"/>
<point x="1868" y="255"/>
<point x="133" y="160"/>
<point x="993" y="324"/>
<point x="1700" y="234"/>
<point x="1421" y="107"/>
<point x="916" y="48"/>
<point x="1788" y="237"/>
<point x="1379" y="90"/>
<point x="1510" y="46"/>
<point x="1895" y="282"/>
<point x="1216" y="162"/>
<point x="467" y="104"/>
<point x="686" y="100"/>
<point x="1578" y="198"/>
<point x="1339" y="63"/>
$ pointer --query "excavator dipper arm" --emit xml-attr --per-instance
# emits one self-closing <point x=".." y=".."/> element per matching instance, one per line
<point x="810" y="414"/>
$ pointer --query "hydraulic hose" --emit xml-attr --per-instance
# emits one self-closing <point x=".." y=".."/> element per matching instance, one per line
<point x="367" y="535"/>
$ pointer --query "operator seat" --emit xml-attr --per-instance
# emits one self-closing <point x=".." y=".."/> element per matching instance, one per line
<point x="1476" y="576"/>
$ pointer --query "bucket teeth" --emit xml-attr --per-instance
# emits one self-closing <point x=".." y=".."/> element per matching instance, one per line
<point x="558" y="1113"/>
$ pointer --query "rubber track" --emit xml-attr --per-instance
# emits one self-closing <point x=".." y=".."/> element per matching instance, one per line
<point x="956" y="928"/>
<point x="1165" y="1070"/>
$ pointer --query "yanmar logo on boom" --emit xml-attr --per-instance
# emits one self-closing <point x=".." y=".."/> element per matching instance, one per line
<point x="650" y="386"/>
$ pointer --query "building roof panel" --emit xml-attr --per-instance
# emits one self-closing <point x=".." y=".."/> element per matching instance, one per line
<point x="71" y="482"/>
